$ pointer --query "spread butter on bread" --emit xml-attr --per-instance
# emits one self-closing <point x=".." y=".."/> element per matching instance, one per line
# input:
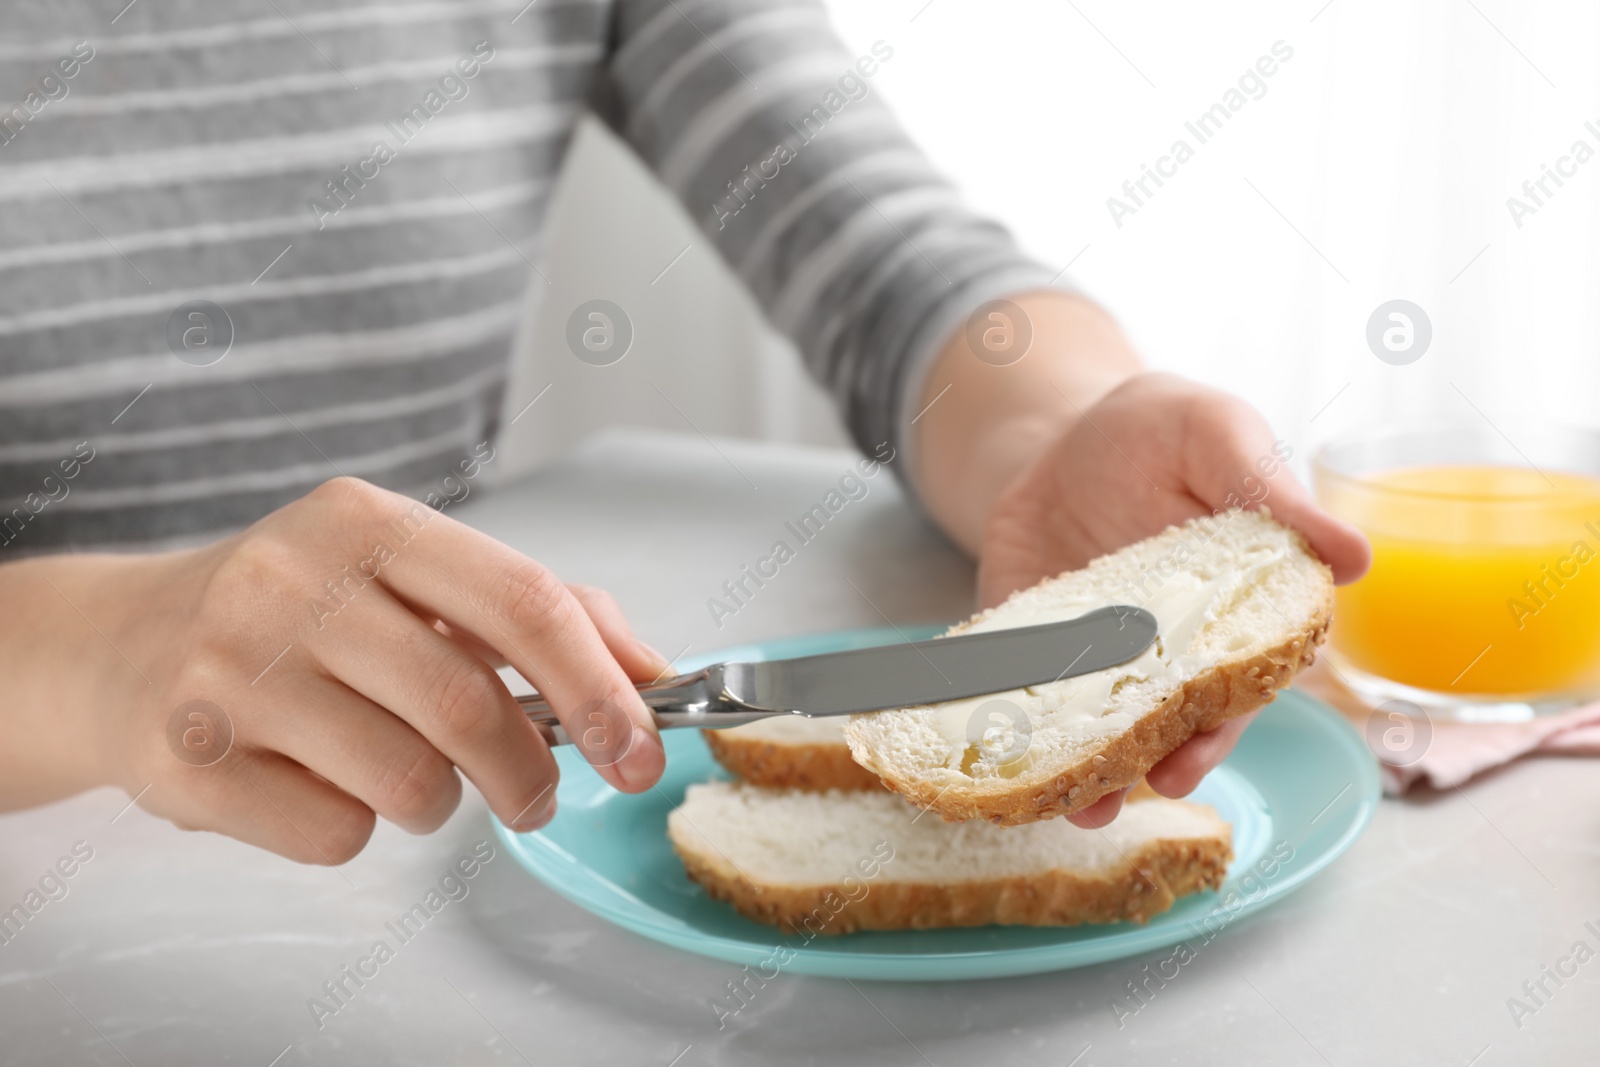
<point x="1242" y="604"/>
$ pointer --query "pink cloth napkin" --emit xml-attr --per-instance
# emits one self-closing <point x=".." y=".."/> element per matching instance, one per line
<point x="1446" y="754"/>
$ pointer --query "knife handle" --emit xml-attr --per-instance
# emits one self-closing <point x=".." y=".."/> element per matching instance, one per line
<point x="693" y="699"/>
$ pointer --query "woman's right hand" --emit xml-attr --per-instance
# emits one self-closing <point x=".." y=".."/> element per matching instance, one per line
<point x="332" y="663"/>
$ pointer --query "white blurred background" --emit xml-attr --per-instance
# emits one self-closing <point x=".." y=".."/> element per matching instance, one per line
<point x="1377" y="165"/>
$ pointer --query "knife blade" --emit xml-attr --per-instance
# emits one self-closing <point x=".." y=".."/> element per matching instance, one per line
<point x="890" y="676"/>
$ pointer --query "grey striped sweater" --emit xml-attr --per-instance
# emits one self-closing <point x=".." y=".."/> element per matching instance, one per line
<point x="359" y="187"/>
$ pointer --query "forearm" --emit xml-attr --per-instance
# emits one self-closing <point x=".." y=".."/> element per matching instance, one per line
<point x="980" y="423"/>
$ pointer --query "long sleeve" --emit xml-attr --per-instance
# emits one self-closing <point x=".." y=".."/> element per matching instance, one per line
<point x="778" y="143"/>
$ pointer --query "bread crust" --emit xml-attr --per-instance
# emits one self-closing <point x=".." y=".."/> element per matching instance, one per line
<point x="815" y="766"/>
<point x="1146" y="884"/>
<point x="1232" y="688"/>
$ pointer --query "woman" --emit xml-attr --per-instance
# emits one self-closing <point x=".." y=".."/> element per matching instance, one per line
<point x="260" y="276"/>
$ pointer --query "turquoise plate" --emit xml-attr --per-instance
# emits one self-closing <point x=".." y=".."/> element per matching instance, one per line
<point x="1299" y="789"/>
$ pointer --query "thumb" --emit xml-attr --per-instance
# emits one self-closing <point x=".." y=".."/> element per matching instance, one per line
<point x="1234" y="462"/>
<point x="1341" y="546"/>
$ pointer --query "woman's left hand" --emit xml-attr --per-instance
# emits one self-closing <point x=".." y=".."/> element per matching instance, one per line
<point x="1155" y="451"/>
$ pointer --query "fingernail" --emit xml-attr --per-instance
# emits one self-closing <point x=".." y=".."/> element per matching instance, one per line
<point x="642" y="764"/>
<point x="661" y="662"/>
<point x="539" y="817"/>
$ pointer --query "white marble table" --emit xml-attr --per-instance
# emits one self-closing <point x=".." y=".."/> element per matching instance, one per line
<point x="174" y="948"/>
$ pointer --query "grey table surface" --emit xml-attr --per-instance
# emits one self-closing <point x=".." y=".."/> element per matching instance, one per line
<point x="179" y="948"/>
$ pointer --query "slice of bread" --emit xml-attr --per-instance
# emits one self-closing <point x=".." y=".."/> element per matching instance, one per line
<point x="835" y="862"/>
<point x="799" y="753"/>
<point x="791" y="752"/>
<point x="1242" y="604"/>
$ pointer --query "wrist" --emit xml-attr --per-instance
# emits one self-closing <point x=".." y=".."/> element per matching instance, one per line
<point x="62" y="650"/>
<point x="984" y="422"/>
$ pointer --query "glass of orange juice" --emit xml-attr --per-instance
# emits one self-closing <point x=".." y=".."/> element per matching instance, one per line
<point x="1483" y="602"/>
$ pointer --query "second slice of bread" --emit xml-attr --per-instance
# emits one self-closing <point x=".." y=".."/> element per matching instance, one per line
<point x="1242" y="604"/>
<point x="835" y="862"/>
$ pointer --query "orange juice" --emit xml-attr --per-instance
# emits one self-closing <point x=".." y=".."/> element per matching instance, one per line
<point x="1485" y="579"/>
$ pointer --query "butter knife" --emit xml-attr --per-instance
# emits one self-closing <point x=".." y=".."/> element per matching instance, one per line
<point x="891" y="676"/>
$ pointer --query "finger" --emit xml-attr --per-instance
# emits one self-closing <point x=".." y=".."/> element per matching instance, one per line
<point x="519" y="608"/>
<point x="1100" y="813"/>
<point x="1182" y="769"/>
<point x="267" y="800"/>
<point x="641" y="662"/>
<point x="453" y="700"/>
<point x="1252" y="474"/>
<point x="1228" y="450"/>
<point x="375" y="756"/>
<point x="471" y="645"/>
<point x="1342" y="547"/>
